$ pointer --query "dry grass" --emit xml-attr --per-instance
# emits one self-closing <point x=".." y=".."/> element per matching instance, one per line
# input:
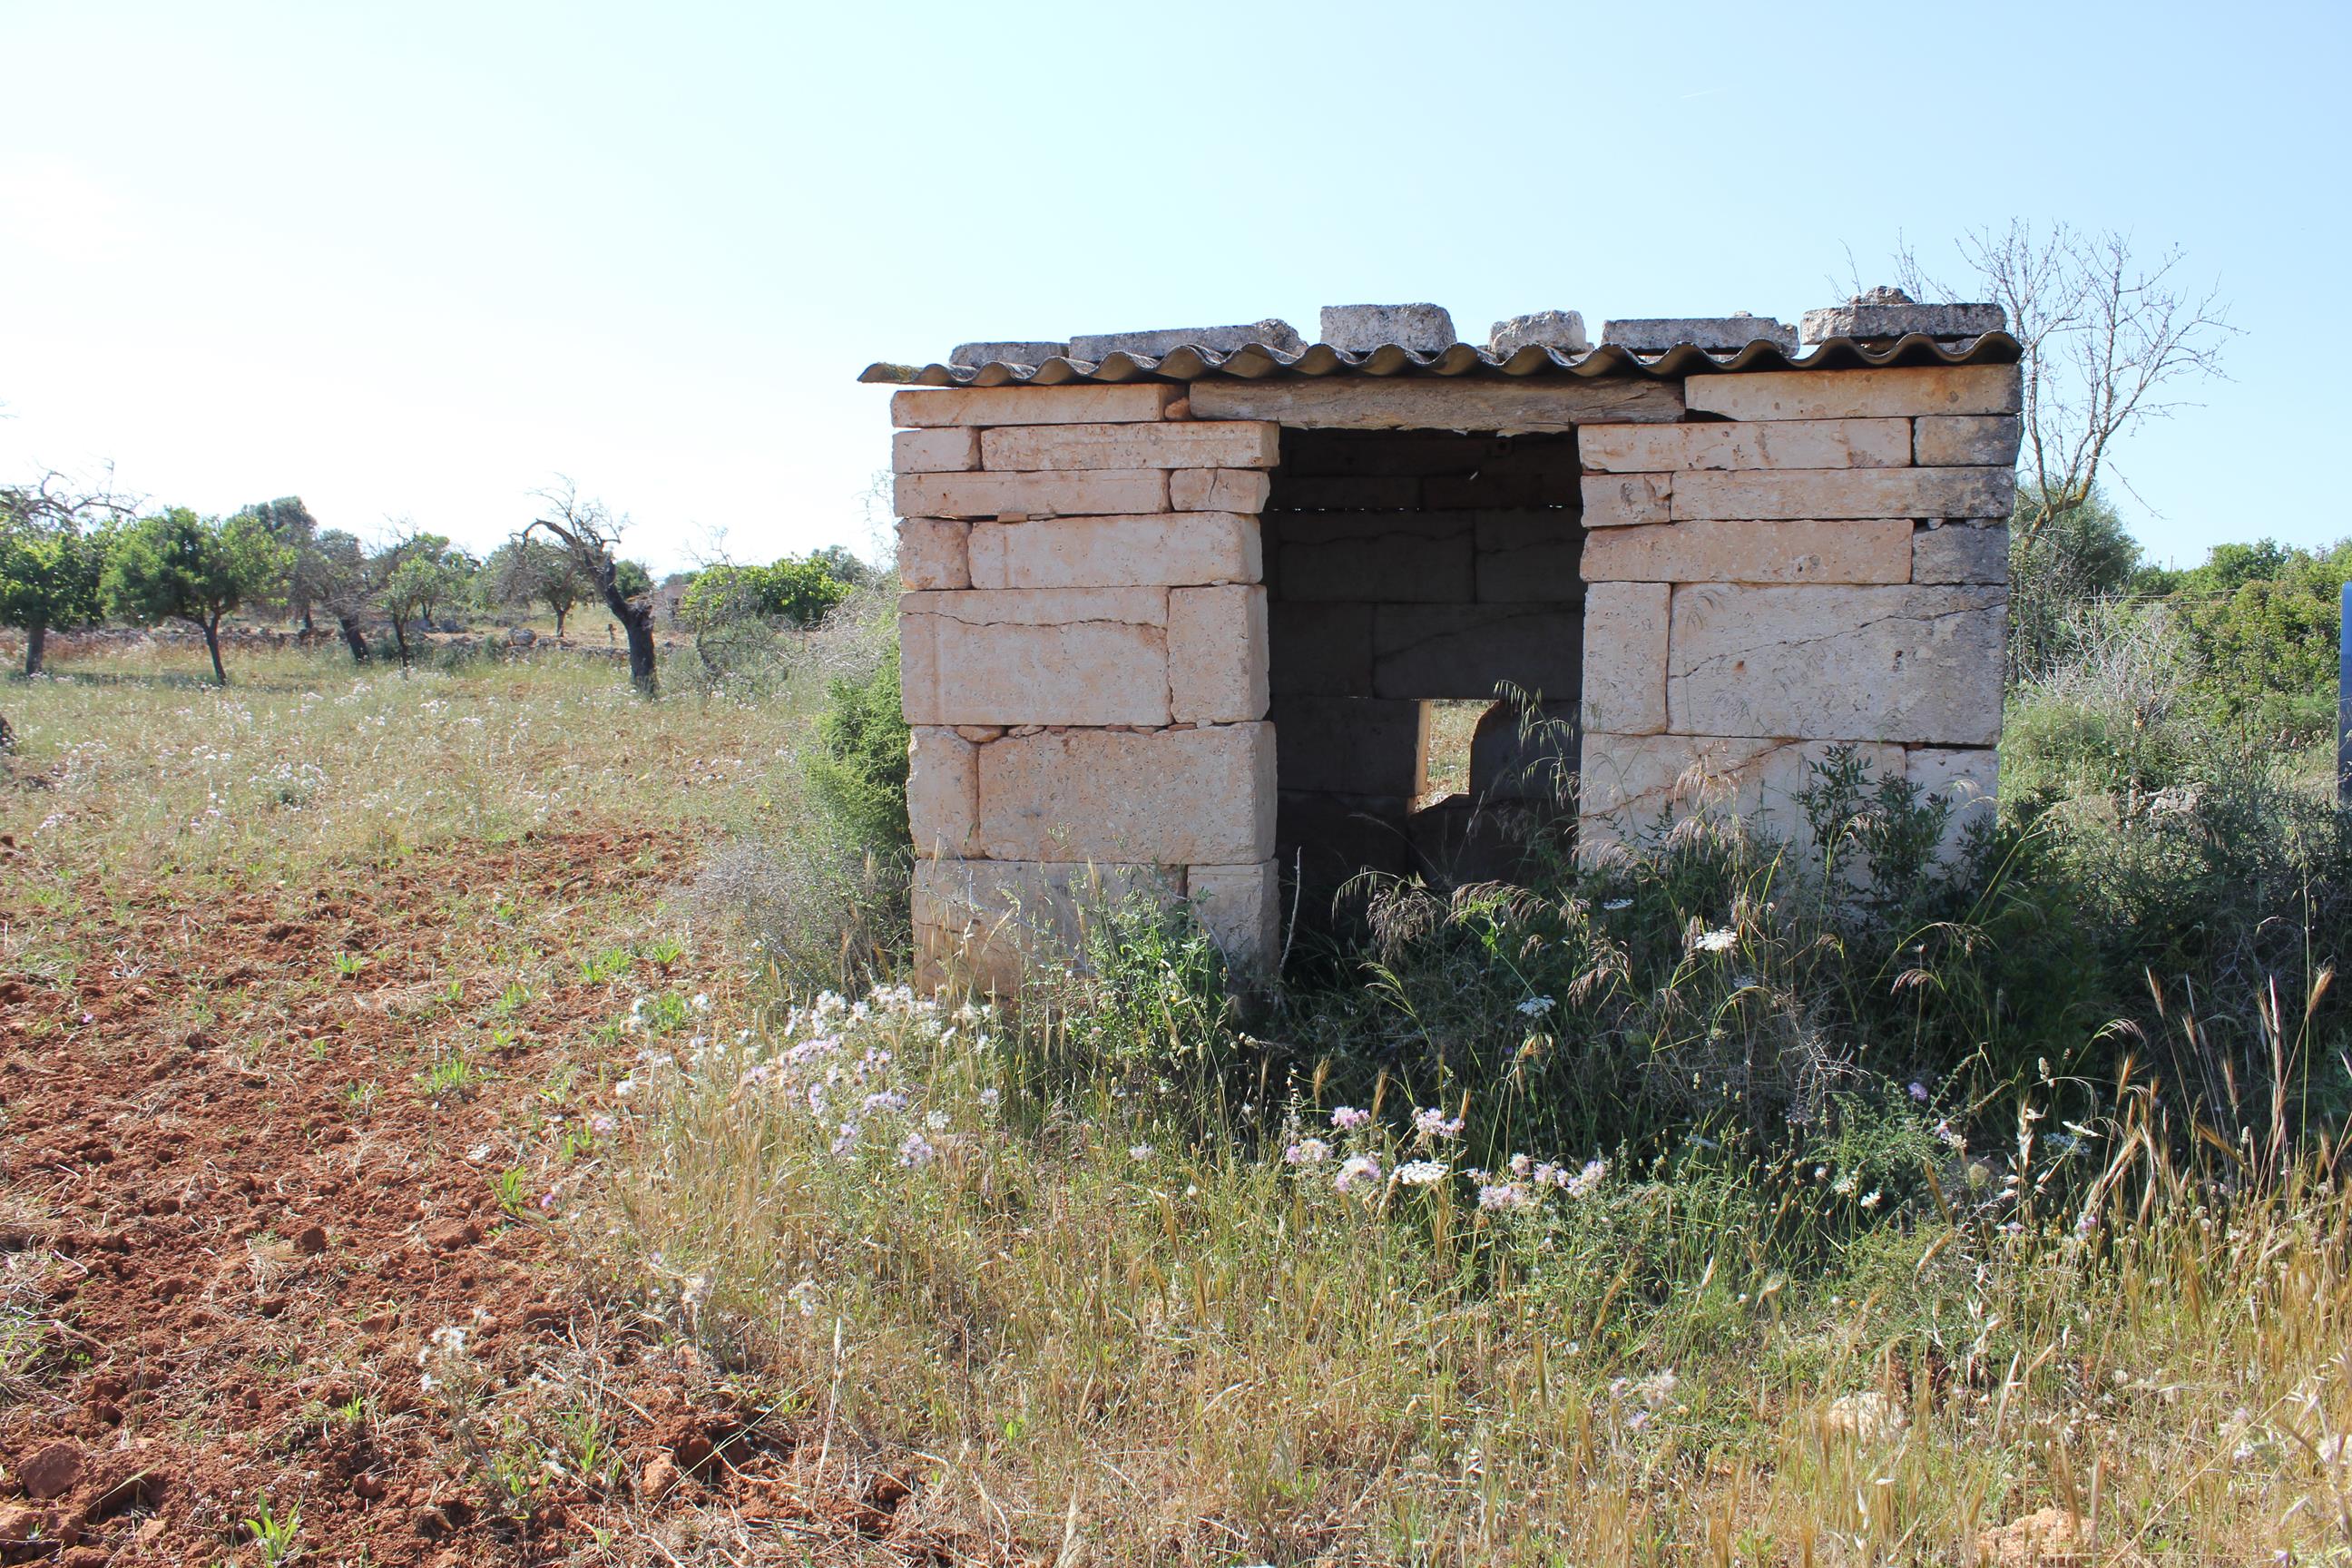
<point x="1451" y="726"/>
<point x="1093" y="1327"/>
<point x="133" y="758"/>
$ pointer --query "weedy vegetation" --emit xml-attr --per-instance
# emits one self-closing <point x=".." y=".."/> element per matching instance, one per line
<point x="1874" y="1195"/>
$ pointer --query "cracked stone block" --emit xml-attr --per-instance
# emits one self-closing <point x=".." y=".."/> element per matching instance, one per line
<point x="1467" y="650"/>
<point x="1320" y="649"/>
<point x="1625" y="781"/>
<point x="1561" y="330"/>
<point x="1217" y="489"/>
<point x="1625" y="632"/>
<point x="1857" y="394"/>
<point x="925" y="408"/>
<point x="1352" y="745"/>
<point x="1036" y="656"/>
<point x="1844" y="493"/>
<point x="1350" y="492"/>
<point x="1460" y="839"/>
<point x="1626" y="500"/>
<point x="1326" y="837"/>
<point x="1192" y="444"/>
<point x="1968" y="778"/>
<point x="1241" y="909"/>
<point x="942" y="792"/>
<point x="1029" y="353"/>
<point x="1397" y="556"/>
<point x="1172" y="798"/>
<point x="1359" y="329"/>
<point x="1891" y="313"/>
<point x="1277" y="335"/>
<point x="986" y="922"/>
<point x="1716" y="334"/>
<point x="1349" y="453"/>
<point x="1875" y="550"/>
<point x="1767" y="444"/>
<point x="950" y="448"/>
<point x="1920" y="664"/>
<point x="1499" y="488"/>
<point x="990" y="495"/>
<point x="1531" y="556"/>
<point x="1169" y="548"/>
<point x="1216" y="654"/>
<point x="1968" y="440"/>
<point x="1960" y="552"/>
<point x="932" y="552"/>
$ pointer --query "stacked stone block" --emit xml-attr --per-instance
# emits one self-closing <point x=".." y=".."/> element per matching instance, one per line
<point x="1083" y="648"/>
<point x="1168" y="645"/>
<point x="1817" y="559"/>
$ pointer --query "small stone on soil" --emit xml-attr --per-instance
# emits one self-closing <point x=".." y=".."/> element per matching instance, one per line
<point x="51" y="1472"/>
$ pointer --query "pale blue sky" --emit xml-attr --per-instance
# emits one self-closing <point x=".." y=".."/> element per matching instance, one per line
<point x="412" y="261"/>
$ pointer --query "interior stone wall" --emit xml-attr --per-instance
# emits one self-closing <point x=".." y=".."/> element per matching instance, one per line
<point x="1403" y="568"/>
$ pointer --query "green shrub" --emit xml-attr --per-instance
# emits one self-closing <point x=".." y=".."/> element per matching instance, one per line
<point x="858" y="774"/>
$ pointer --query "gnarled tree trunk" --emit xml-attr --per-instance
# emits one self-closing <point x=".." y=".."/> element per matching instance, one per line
<point x="637" y="623"/>
<point x="353" y="639"/>
<point x="37" y="637"/>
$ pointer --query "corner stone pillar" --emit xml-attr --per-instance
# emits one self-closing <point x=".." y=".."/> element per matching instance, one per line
<point x="1084" y="652"/>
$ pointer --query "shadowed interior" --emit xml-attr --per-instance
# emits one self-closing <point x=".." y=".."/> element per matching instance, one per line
<point x="1406" y="570"/>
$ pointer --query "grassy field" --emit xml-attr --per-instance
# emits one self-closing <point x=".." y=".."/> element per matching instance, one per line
<point x="420" y="1146"/>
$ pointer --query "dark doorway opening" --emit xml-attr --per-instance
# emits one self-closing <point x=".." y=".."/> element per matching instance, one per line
<point x="1427" y="633"/>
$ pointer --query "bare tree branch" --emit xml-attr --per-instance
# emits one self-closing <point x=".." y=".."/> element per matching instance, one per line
<point x="2109" y="341"/>
<point x="589" y="530"/>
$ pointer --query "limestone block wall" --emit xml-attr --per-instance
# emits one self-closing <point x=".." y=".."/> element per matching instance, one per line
<point x="1720" y="578"/>
<point x="1811" y="558"/>
<point x="1084" y="653"/>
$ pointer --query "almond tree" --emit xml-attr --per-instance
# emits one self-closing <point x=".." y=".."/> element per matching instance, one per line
<point x="590" y="531"/>
<point x="345" y="588"/>
<point x="410" y="575"/>
<point x="2110" y="340"/>
<point x="531" y="572"/>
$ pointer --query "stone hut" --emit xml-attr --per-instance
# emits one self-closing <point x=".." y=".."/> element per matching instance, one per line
<point x="1178" y="603"/>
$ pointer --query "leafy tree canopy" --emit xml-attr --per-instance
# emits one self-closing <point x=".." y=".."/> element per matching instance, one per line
<point x="799" y="590"/>
<point x="2264" y="623"/>
<point x="51" y="571"/>
<point x="179" y="566"/>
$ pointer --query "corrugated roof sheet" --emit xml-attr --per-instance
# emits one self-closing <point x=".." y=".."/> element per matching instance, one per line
<point x="1257" y="362"/>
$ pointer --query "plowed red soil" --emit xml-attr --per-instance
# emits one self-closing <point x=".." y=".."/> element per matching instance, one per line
<point x="223" y="1270"/>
